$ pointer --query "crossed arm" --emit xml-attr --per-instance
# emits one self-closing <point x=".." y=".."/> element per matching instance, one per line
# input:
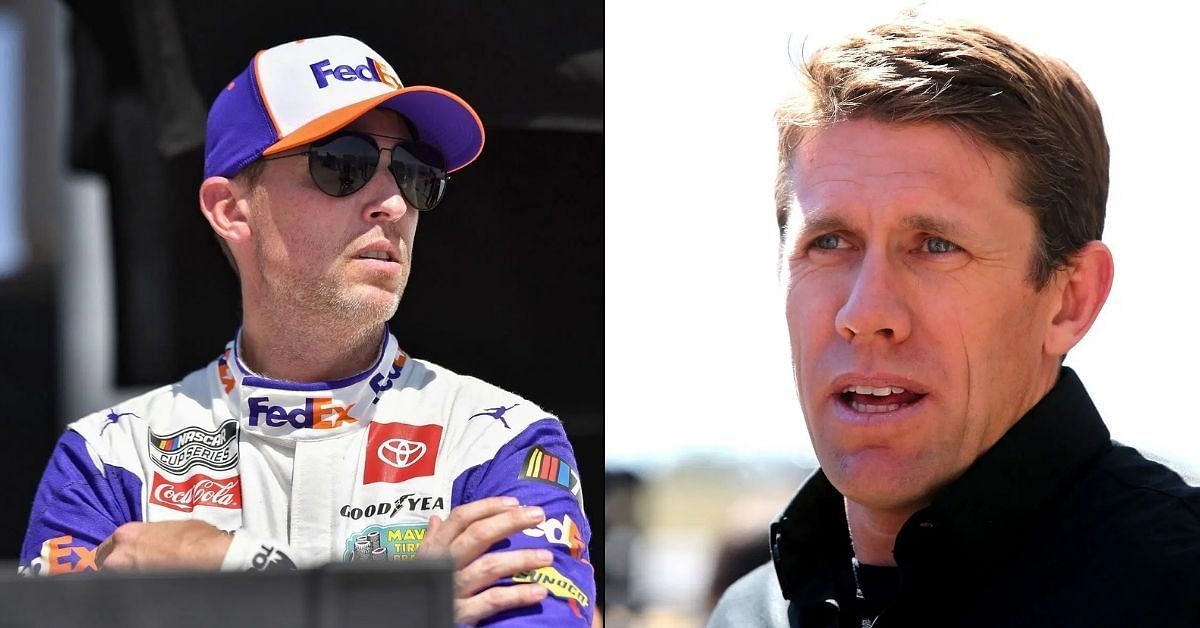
<point x="464" y="536"/>
<point x="87" y="514"/>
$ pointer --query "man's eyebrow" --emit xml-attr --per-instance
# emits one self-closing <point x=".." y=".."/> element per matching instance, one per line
<point x="820" y="222"/>
<point x="940" y="226"/>
<point x="823" y="222"/>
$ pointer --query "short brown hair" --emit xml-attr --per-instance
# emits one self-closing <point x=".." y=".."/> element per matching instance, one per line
<point x="1033" y="109"/>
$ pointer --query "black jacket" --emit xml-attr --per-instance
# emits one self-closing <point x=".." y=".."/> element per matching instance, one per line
<point x="1055" y="525"/>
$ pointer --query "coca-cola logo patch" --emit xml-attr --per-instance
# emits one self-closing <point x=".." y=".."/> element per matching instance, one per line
<point x="198" y="490"/>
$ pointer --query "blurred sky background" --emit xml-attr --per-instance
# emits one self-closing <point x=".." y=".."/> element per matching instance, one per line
<point x="697" y="365"/>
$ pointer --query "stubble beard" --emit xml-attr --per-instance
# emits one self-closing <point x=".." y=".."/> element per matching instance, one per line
<point x="327" y="307"/>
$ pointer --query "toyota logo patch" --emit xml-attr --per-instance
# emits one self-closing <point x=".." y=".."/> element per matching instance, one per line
<point x="396" y="452"/>
<point x="400" y="453"/>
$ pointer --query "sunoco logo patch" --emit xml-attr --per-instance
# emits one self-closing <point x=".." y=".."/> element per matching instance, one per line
<point x="180" y="451"/>
<point x="558" y="585"/>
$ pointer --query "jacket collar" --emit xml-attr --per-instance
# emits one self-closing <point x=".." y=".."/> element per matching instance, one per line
<point x="981" y="514"/>
<point x="1020" y="477"/>
<point x="305" y="410"/>
<point x="810" y="543"/>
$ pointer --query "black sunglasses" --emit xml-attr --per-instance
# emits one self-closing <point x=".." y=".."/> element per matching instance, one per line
<point x="344" y="162"/>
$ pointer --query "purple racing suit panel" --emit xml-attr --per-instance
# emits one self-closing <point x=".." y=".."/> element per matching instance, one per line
<point x="538" y="467"/>
<point x="77" y="506"/>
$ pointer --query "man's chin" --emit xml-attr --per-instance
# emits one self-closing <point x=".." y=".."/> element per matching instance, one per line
<point x="880" y="479"/>
<point x="383" y="306"/>
<point x="371" y="303"/>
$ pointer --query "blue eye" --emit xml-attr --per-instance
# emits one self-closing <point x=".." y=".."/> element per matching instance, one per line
<point x="938" y="246"/>
<point x="828" y="241"/>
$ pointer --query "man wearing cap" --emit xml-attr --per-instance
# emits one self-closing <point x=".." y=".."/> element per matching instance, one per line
<point x="313" y="437"/>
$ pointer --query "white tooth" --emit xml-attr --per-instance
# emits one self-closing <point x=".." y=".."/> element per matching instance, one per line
<point x="375" y="255"/>
<point x="862" y="390"/>
<point x="881" y="392"/>
<point x="848" y="389"/>
<point x="896" y="390"/>
<point x="867" y="408"/>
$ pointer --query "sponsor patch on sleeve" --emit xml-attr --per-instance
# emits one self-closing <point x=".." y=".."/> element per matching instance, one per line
<point x="270" y="558"/>
<point x="561" y="532"/>
<point x="542" y="466"/>
<point x="62" y="554"/>
<point x="557" y="584"/>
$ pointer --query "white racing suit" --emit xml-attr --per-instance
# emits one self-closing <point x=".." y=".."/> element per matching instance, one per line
<point x="311" y="473"/>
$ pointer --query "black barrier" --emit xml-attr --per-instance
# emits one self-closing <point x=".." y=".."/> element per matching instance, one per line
<point x="409" y="593"/>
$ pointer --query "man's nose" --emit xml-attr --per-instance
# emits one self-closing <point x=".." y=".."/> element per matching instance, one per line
<point x="877" y="304"/>
<point x="386" y="204"/>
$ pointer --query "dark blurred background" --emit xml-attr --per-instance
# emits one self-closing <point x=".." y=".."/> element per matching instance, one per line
<point x="120" y="286"/>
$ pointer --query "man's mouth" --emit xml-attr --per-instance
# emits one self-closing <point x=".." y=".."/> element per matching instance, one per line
<point x="878" y="399"/>
<point x="377" y="255"/>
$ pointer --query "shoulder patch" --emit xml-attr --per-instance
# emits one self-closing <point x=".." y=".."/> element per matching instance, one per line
<point x="542" y="466"/>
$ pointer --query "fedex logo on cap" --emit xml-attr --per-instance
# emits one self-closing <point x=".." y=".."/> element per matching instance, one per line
<point x="372" y="70"/>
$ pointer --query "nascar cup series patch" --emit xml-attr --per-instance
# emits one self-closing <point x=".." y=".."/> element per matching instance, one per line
<point x="180" y="451"/>
<point x="397" y="542"/>
<point x="543" y="466"/>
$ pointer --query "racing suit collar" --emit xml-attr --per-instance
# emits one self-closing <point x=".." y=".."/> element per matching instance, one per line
<point x="306" y="410"/>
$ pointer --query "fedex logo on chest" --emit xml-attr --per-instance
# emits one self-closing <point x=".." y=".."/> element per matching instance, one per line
<point x="317" y="413"/>
<point x="371" y="71"/>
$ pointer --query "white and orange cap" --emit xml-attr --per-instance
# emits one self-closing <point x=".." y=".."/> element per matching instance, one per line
<point x="301" y="91"/>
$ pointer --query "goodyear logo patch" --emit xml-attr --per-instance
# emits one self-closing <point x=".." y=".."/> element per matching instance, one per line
<point x="397" y="542"/>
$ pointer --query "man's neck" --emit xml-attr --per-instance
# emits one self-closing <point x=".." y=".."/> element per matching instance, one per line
<point x="873" y="532"/>
<point x="307" y="351"/>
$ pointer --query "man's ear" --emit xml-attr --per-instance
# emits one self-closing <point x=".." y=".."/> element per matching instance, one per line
<point x="220" y="203"/>
<point x="1084" y="287"/>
